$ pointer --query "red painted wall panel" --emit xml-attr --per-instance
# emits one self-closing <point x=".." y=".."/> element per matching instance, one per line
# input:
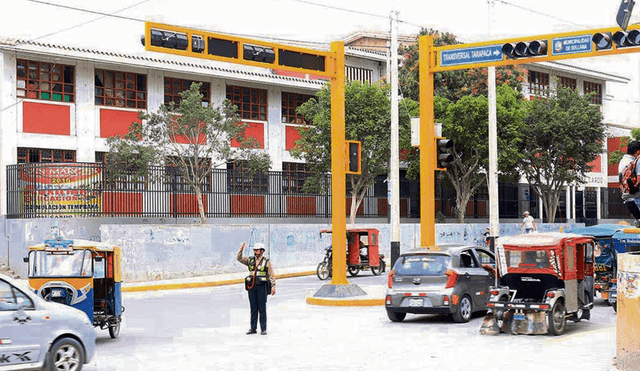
<point x="254" y="130"/>
<point x="116" y="122"/>
<point x="596" y="165"/>
<point x="243" y="204"/>
<point x="612" y="145"/>
<point x="187" y="204"/>
<point x="120" y="202"/>
<point x="301" y="205"/>
<point x="45" y="118"/>
<point x="291" y="135"/>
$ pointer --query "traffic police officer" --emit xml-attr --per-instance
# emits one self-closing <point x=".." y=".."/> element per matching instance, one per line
<point x="257" y="285"/>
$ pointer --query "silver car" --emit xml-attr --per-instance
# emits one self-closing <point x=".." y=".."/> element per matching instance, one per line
<point x="35" y="332"/>
<point x="454" y="280"/>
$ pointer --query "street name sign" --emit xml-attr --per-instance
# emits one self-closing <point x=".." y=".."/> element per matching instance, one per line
<point x="481" y="54"/>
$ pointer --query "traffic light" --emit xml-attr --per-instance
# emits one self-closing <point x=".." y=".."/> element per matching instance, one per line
<point x="525" y="49"/>
<point x="624" y="13"/>
<point x="258" y="53"/>
<point x="443" y="157"/>
<point x="622" y="39"/>
<point x="353" y="157"/>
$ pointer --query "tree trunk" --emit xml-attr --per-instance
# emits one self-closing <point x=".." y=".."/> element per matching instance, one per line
<point x="203" y="218"/>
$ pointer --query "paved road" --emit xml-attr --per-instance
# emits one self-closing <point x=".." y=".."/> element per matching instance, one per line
<point x="203" y="329"/>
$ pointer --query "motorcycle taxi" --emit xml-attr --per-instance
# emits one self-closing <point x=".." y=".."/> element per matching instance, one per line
<point x="362" y="253"/>
<point x="82" y="274"/>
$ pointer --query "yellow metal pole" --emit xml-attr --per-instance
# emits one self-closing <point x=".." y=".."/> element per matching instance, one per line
<point x="628" y="316"/>
<point x="338" y="169"/>
<point x="427" y="145"/>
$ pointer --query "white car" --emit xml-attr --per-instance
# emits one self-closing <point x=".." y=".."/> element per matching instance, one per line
<point x="35" y="332"/>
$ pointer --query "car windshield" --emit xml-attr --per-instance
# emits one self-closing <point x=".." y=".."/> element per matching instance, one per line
<point x="423" y="265"/>
<point x="56" y="264"/>
<point x="527" y="259"/>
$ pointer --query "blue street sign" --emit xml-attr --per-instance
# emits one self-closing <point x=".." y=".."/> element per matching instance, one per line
<point x="480" y="54"/>
<point x="571" y="45"/>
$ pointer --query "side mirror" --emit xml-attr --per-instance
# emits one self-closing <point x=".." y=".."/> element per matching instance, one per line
<point x="98" y="258"/>
<point x="25" y="259"/>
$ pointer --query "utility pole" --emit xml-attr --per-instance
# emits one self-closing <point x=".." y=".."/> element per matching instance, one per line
<point x="493" y="147"/>
<point x="394" y="161"/>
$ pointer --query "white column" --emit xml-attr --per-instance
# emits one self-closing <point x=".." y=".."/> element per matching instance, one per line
<point x="87" y="121"/>
<point x="8" y="121"/>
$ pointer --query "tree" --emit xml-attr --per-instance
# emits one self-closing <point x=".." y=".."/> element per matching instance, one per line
<point x="191" y="138"/>
<point x="367" y="119"/>
<point x="563" y="133"/>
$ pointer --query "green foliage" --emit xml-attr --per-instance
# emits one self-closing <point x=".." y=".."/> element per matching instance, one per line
<point x="191" y="137"/>
<point x="563" y="133"/>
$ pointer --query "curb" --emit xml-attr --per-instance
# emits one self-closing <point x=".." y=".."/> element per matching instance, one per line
<point x="211" y="283"/>
<point x="350" y="302"/>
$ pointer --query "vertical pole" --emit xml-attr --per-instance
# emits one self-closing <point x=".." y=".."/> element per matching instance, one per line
<point x="493" y="148"/>
<point x="628" y="312"/>
<point x="427" y="145"/>
<point x="338" y="169"/>
<point x="394" y="161"/>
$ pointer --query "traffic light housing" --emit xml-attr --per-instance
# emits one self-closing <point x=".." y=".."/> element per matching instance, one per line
<point x="624" y="13"/>
<point x="443" y="156"/>
<point x="622" y="39"/>
<point x="525" y="49"/>
<point x="353" y="157"/>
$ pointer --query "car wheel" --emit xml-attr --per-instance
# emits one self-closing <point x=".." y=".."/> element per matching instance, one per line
<point x="395" y="316"/>
<point x="114" y="331"/>
<point x="65" y="354"/>
<point x="354" y="271"/>
<point x="557" y="319"/>
<point x="323" y="271"/>
<point x="464" y="311"/>
<point x="378" y="270"/>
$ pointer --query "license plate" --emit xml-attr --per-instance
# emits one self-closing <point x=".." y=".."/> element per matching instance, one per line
<point x="519" y="316"/>
<point x="415" y="302"/>
<point x="56" y="294"/>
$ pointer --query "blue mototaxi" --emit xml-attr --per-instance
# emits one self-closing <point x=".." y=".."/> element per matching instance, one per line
<point x="613" y="239"/>
<point x="80" y="273"/>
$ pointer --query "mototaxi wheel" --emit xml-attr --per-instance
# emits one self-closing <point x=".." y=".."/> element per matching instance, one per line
<point x="354" y="270"/>
<point x="556" y="319"/>
<point x="323" y="271"/>
<point x="114" y="330"/>
<point x="464" y="311"/>
<point x="378" y="270"/>
<point x="65" y="354"/>
<point x="395" y="316"/>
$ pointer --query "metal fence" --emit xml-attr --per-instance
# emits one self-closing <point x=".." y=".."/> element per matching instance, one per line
<point x="85" y="190"/>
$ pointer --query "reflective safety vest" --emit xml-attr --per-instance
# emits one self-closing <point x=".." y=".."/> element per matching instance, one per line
<point x="261" y="273"/>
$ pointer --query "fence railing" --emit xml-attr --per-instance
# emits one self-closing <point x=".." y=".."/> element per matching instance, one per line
<point x="85" y="190"/>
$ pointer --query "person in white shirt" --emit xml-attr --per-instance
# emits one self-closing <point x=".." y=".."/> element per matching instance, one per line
<point x="631" y="201"/>
<point x="528" y="223"/>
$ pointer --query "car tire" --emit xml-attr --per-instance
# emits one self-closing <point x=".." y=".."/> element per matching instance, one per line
<point x="556" y="319"/>
<point x="353" y="271"/>
<point x="323" y="271"/>
<point x="65" y="352"/>
<point x="114" y="331"/>
<point x="395" y="316"/>
<point x="464" y="310"/>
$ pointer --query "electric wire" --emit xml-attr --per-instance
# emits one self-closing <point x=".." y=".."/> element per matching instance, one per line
<point x="540" y="13"/>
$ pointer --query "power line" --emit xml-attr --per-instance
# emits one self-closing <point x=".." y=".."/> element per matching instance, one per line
<point x="341" y="9"/>
<point x="87" y="11"/>
<point x="540" y="13"/>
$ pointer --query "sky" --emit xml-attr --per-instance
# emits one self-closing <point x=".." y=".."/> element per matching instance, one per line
<point x="319" y="21"/>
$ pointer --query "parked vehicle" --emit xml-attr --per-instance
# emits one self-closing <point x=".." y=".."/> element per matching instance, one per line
<point x="83" y="274"/>
<point x="362" y="253"/>
<point x="447" y="279"/>
<point x="544" y="278"/>
<point x="612" y="239"/>
<point x="37" y="334"/>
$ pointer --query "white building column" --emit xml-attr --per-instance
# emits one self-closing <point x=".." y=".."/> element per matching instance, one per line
<point x="9" y="105"/>
<point x="86" y="120"/>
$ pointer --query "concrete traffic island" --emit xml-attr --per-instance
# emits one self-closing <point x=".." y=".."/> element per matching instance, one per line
<point x="343" y="295"/>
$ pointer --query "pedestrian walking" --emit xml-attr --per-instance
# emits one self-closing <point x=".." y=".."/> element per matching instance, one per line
<point x="631" y="199"/>
<point x="528" y="223"/>
<point x="260" y="283"/>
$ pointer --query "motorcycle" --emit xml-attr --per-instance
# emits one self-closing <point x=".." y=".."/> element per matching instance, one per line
<point x="325" y="267"/>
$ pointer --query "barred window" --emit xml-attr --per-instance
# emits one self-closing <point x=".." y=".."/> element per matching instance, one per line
<point x="120" y="89"/>
<point x="179" y="182"/>
<point x="538" y="83"/>
<point x="290" y="102"/>
<point x="34" y="155"/>
<point x="46" y="81"/>
<point x="567" y="82"/>
<point x="592" y="87"/>
<point x="358" y="74"/>
<point x="127" y="179"/>
<point x="241" y="180"/>
<point x="173" y="88"/>
<point x="251" y="102"/>
<point x="293" y="176"/>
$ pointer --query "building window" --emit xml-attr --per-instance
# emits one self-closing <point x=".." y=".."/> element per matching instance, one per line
<point x="294" y="176"/>
<point x="173" y="88"/>
<point x="290" y="102"/>
<point x="538" y="83"/>
<point x="592" y="87"/>
<point x="34" y="155"/>
<point x="567" y="82"/>
<point x="179" y="182"/>
<point x="121" y="89"/>
<point x="358" y="74"/>
<point x="241" y="180"/>
<point x="46" y="81"/>
<point x="127" y="180"/>
<point x="251" y="103"/>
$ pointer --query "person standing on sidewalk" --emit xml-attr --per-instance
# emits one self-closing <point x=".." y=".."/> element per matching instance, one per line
<point x="528" y="223"/>
<point x="631" y="200"/>
<point x="261" y="275"/>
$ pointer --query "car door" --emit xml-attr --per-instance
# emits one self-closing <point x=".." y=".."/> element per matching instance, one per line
<point x="21" y="337"/>
<point x="488" y="265"/>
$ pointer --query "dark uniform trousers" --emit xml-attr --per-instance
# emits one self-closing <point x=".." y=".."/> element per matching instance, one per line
<point x="258" y="303"/>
